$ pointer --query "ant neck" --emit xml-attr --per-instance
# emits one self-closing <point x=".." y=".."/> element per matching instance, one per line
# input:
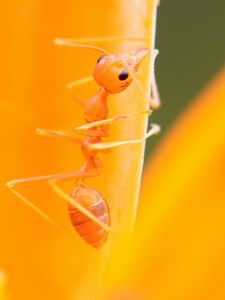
<point x="104" y="94"/>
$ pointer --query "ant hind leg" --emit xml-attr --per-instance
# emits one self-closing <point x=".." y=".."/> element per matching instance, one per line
<point x="53" y="180"/>
<point x="39" y="211"/>
<point x="76" y="204"/>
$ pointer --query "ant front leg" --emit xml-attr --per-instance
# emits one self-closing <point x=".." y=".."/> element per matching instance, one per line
<point x="77" y="83"/>
<point x="154" y="87"/>
<point x="154" y="100"/>
<point x="53" y="181"/>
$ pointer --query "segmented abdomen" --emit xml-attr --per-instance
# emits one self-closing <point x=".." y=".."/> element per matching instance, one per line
<point x="93" y="201"/>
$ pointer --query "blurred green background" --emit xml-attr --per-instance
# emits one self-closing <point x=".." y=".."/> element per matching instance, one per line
<point x="191" y="40"/>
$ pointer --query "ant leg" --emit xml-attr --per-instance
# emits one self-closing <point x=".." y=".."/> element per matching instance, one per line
<point x="102" y="146"/>
<point x="80" y="82"/>
<point x="77" y="205"/>
<point x="77" y="83"/>
<point x="86" y="128"/>
<point x="154" y="87"/>
<point x="61" y="176"/>
<point x="12" y="183"/>
<point x="100" y="131"/>
<point x="62" y="135"/>
<point x="80" y="100"/>
<point x="38" y="210"/>
<point x="154" y="101"/>
<point x="52" y="180"/>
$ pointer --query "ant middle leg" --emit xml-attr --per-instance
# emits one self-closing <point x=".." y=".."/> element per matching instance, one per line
<point x="93" y="130"/>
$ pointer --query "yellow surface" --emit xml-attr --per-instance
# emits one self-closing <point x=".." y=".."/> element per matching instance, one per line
<point x="178" y="250"/>
<point x="41" y="262"/>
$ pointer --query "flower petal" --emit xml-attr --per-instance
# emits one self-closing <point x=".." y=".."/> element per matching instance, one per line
<point x="178" y="250"/>
<point x="34" y="80"/>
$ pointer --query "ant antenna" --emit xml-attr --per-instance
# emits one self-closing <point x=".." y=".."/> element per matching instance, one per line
<point x="65" y="42"/>
<point x="81" y="42"/>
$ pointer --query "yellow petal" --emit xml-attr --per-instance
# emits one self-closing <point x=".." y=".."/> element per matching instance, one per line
<point x="186" y="203"/>
<point x="178" y="252"/>
<point x="45" y="263"/>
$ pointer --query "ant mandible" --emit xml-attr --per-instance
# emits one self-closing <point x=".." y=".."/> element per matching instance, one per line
<point x="113" y="73"/>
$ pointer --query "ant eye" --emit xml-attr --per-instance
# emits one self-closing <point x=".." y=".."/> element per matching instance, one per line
<point x="123" y="75"/>
<point x="100" y="58"/>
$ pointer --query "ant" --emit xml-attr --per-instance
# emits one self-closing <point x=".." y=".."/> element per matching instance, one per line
<point x="113" y="73"/>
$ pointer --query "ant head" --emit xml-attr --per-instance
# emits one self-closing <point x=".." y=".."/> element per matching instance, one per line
<point x="114" y="72"/>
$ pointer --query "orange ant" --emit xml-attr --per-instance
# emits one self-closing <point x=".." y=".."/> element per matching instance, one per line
<point x="113" y="73"/>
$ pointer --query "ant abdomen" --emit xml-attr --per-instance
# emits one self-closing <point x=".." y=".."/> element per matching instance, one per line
<point x="93" y="201"/>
